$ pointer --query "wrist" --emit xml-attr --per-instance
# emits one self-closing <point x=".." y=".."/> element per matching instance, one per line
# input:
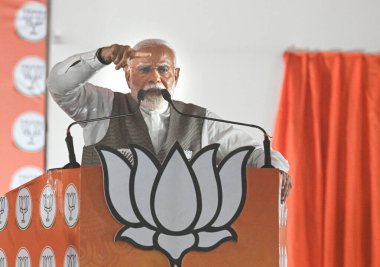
<point x="100" y="57"/>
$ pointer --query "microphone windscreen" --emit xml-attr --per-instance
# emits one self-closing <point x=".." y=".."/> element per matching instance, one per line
<point x="141" y="95"/>
<point x="166" y="95"/>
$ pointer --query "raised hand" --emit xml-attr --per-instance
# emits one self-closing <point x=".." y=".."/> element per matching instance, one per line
<point x="120" y="55"/>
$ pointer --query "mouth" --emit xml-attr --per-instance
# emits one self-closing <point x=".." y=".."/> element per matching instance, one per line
<point x="153" y="91"/>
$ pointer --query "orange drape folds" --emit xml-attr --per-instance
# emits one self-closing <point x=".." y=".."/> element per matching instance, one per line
<point x="328" y="127"/>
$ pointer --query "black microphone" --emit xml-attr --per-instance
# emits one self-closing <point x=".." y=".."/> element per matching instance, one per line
<point x="267" y="160"/>
<point x="69" y="139"/>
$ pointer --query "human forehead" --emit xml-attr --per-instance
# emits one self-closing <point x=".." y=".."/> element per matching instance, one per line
<point x="158" y="55"/>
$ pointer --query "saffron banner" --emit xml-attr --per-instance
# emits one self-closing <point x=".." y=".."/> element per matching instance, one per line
<point x="23" y="30"/>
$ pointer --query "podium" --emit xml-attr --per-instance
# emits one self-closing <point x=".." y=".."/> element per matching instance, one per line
<point x="62" y="219"/>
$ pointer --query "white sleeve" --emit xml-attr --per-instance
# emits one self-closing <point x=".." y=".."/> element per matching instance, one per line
<point x="231" y="138"/>
<point x="67" y="83"/>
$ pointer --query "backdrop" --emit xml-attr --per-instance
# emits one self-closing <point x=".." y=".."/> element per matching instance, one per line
<point x="23" y="27"/>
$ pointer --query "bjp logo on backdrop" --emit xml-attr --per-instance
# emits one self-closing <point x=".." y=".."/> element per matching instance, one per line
<point x="3" y="212"/>
<point x="31" y="21"/>
<point x="178" y="206"/>
<point x="29" y="76"/>
<point x="29" y="131"/>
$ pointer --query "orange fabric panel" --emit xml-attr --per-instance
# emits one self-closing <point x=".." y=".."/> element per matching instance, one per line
<point x="36" y="237"/>
<point x="328" y="126"/>
<point x="257" y="228"/>
<point x="93" y="234"/>
<point x="13" y="49"/>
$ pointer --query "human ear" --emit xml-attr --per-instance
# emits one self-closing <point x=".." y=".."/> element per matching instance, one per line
<point x="176" y="74"/>
<point x="127" y="72"/>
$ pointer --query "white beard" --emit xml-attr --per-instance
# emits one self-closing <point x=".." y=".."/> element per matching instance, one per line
<point x="154" y="101"/>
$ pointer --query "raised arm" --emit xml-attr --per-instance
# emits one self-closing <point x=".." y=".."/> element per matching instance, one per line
<point x="67" y="83"/>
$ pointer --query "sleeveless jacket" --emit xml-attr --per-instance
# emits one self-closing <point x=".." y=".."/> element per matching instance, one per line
<point x="133" y="130"/>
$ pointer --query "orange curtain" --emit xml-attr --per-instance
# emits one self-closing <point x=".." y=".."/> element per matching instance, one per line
<point x="328" y="126"/>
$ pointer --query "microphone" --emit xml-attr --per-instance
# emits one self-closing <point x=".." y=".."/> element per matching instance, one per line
<point x="267" y="160"/>
<point x="69" y="139"/>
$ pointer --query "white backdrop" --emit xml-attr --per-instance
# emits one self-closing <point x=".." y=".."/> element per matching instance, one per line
<point x="230" y="52"/>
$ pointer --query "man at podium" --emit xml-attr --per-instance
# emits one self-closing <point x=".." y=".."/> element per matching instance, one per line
<point x="151" y="66"/>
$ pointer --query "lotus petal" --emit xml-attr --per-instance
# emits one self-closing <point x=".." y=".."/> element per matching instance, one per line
<point x="116" y="184"/>
<point x="210" y="240"/>
<point x="141" y="236"/>
<point x="175" y="246"/>
<point x="232" y="177"/>
<point x="175" y="194"/>
<point x="209" y="184"/>
<point x="146" y="172"/>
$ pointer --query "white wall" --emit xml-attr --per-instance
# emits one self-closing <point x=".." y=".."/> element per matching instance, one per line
<point x="230" y="52"/>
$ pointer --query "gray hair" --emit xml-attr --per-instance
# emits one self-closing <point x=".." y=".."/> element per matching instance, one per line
<point x="156" y="42"/>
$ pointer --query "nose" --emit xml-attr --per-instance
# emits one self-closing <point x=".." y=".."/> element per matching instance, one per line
<point x="154" y="76"/>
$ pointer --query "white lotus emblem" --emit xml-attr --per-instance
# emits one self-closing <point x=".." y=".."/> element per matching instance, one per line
<point x="178" y="206"/>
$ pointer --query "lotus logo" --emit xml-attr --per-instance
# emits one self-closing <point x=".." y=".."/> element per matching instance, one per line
<point x="23" y="258"/>
<point x="47" y="258"/>
<point x="29" y="76"/>
<point x="71" y="257"/>
<point x="178" y="206"/>
<point x="3" y="259"/>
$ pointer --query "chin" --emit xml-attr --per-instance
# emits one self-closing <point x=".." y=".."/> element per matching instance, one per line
<point x="153" y="103"/>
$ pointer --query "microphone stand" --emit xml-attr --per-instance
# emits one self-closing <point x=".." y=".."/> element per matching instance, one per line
<point x="69" y="139"/>
<point x="267" y="159"/>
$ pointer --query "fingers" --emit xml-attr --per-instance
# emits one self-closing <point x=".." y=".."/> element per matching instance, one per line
<point x="124" y="53"/>
<point x="121" y="54"/>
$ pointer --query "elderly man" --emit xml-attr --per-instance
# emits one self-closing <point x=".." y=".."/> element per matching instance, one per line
<point x="150" y="65"/>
